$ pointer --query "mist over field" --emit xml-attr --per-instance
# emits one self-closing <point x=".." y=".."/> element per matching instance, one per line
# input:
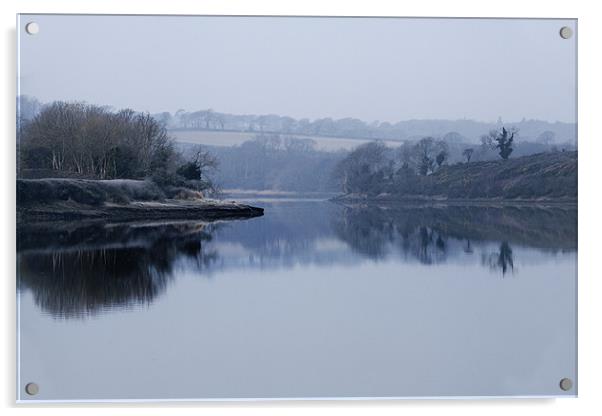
<point x="280" y="153"/>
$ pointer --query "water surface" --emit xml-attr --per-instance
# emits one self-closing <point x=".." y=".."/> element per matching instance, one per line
<point x="313" y="299"/>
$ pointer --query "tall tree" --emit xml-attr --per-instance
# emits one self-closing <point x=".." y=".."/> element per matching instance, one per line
<point x="503" y="140"/>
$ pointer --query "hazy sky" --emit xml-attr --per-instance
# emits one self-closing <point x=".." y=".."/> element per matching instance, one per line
<point x="370" y="68"/>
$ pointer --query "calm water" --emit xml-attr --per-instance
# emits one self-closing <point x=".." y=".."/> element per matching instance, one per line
<point x="311" y="300"/>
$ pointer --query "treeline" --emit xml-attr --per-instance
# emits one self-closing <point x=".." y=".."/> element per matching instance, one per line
<point x="277" y="162"/>
<point x="78" y="140"/>
<point x="421" y="169"/>
<point x="451" y="131"/>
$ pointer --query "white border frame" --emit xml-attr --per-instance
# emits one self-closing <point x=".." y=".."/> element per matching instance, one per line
<point x="590" y="66"/>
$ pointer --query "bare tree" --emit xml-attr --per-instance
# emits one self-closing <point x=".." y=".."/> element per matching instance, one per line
<point x="206" y="163"/>
<point x="503" y="140"/>
<point x="441" y="157"/>
<point x="467" y="153"/>
<point x="423" y="154"/>
<point x="443" y="153"/>
<point x="198" y="169"/>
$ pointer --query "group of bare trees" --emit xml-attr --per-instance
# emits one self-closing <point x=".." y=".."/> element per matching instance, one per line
<point x="86" y="141"/>
<point x="372" y="166"/>
<point x="500" y="140"/>
<point x="277" y="162"/>
<point x="428" y="155"/>
<point x="202" y="119"/>
<point x="91" y="141"/>
<point x="364" y="167"/>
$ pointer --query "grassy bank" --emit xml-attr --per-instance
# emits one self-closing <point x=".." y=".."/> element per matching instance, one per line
<point x="120" y="200"/>
<point x="539" y="177"/>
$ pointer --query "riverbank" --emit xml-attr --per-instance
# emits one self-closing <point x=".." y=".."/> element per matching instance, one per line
<point x="120" y="200"/>
<point x="544" y="177"/>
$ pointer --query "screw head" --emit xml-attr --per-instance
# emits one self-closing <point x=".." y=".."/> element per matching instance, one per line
<point x="32" y="28"/>
<point x="32" y="389"/>
<point x="566" y="32"/>
<point x="566" y="384"/>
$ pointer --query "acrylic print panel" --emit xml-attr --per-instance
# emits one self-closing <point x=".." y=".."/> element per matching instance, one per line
<point x="295" y="207"/>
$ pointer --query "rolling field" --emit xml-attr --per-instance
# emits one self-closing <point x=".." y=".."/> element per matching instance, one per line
<point x="231" y="138"/>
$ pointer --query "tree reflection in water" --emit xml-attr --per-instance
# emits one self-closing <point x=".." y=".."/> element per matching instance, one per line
<point x="502" y="260"/>
<point x="75" y="270"/>
<point x="131" y="267"/>
<point x="430" y="233"/>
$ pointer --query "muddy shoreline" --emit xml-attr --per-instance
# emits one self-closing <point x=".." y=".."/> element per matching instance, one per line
<point x="137" y="210"/>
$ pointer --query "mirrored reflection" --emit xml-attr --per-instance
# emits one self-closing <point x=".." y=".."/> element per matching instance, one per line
<point x="433" y="234"/>
<point x="77" y="270"/>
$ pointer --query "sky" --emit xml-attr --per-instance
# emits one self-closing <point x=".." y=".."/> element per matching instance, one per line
<point x="385" y="69"/>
